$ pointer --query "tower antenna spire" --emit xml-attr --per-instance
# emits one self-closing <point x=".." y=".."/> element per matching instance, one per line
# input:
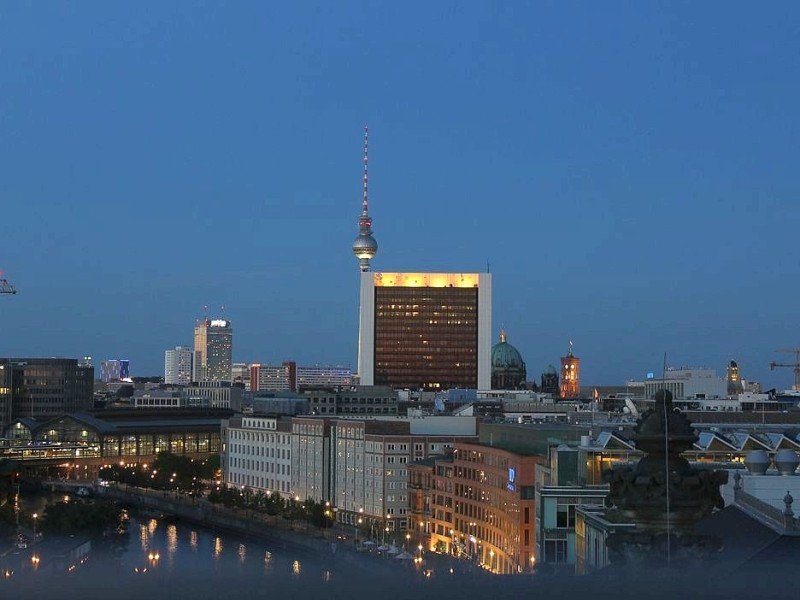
<point x="365" y="203"/>
<point x="365" y="247"/>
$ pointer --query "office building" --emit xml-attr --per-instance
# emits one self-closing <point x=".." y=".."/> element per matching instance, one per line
<point x="213" y="345"/>
<point x="215" y="394"/>
<point x="688" y="382"/>
<point x="43" y="387"/>
<point x="361" y="466"/>
<point x="258" y="453"/>
<point x="178" y="366"/>
<point x="427" y="331"/>
<point x="270" y="378"/>
<point x="323" y="376"/>
<point x="353" y="400"/>
<point x="114" y="370"/>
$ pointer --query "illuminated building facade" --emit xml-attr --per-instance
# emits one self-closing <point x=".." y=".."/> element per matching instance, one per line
<point x="483" y="507"/>
<point x="426" y="331"/>
<point x="257" y="453"/>
<point x="213" y="346"/>
<point x="570" y="375"/>
<point x="321" y="375"/>
<point x="114" y="370"/>
<point x="735" y="384"/>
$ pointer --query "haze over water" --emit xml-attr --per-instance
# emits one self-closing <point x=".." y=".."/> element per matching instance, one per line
<point x="196" y="563"/>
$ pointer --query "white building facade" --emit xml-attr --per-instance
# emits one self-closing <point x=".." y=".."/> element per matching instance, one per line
<point x="178" y="365"/>
<point x="258" y="454"/>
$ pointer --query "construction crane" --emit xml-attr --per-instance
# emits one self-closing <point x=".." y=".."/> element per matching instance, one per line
<point x="5" y="287"/>
<point x="795" y="365"/>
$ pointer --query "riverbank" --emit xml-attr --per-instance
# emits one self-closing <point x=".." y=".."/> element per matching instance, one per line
<point x="331" y="545"/>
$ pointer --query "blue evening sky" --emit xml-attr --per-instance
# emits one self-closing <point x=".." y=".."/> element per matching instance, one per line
<point x="628" y="169"/>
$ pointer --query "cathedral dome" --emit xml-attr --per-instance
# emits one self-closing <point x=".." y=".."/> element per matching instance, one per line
<point x="505" y="356"/>
<point x="508" y="368"/>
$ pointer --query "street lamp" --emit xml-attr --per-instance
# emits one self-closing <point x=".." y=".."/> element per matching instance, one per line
<point x="358" y="525"/>
<point x="35" y="516"/>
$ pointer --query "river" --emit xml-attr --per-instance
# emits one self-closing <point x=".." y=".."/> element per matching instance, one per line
<point x="168" y="558"/>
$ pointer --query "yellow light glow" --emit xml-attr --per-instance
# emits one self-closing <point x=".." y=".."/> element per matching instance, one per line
<point x="457" y="280"/>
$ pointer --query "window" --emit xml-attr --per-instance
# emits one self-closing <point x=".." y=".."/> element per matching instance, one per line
<point x="565" y="516"/>
<point x="555" y="551"/>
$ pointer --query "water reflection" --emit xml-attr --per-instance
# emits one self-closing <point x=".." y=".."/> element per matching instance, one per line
<point x="197" y="561"/>
<point x="172" y="540"/>
<point x="217" y="547"/>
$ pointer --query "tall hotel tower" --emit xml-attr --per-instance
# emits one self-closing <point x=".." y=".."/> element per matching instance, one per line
<point x="213" y="346"/>
<point x="427" y="331"/>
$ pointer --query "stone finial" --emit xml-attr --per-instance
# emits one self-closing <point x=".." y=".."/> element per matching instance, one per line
<point x="787" y="500"/>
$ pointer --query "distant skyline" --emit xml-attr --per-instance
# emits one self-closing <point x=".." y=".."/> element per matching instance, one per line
<point x="627" y="170"/>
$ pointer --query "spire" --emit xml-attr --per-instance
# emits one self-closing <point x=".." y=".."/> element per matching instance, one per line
<point x="365" y="247"/>
<point x="365" y="204"/>
<point x="570" y="348"/>
<point x="503" y="336"/>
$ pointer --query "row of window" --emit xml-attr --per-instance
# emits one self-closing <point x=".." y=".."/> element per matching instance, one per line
<point x="260" y="466"/>
<point x="247" y="450"/>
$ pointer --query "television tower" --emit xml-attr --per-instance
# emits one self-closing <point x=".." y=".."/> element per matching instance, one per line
<point x="365" y="247"/>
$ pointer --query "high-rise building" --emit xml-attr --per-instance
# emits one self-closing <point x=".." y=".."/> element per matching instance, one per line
<point x="425" y="330"/>
<point x="213" y="346"/>
<point x="570" y="375"/>
<point x="178" y="365"/>
<point x="114" y="370"/>
<point x="43" y="388"/>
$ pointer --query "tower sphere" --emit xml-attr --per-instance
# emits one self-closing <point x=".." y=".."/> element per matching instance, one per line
<point x="365" y="246"/>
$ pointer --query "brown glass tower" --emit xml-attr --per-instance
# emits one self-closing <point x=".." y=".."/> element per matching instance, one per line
<point x="425" y="330"/>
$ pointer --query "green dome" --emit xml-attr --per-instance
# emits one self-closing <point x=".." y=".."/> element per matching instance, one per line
<point x="505" y="356"/>
<point x="550" y="370"/>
